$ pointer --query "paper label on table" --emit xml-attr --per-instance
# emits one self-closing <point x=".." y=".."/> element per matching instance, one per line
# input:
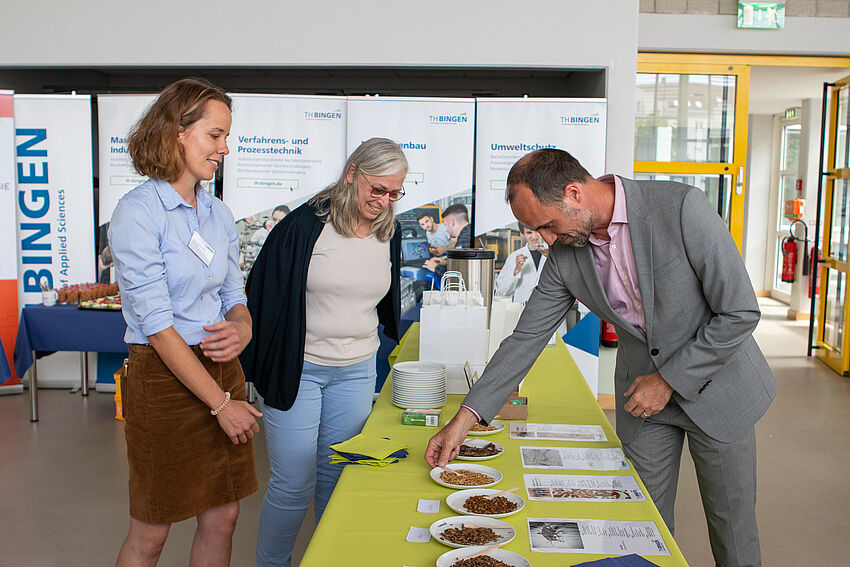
<point x="201" y="248"/>
<point x="428" y="506"/>
<point x="578" y="488"/>
<point x="561" y="535"/>
<point x="574" y="458"/>
<point x="418" y="535"/>
<point x="557" y="432"/>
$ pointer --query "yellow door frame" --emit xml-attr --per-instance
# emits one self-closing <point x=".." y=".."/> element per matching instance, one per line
<point x="837" y="359"/>
<point x="688" y="64"/>
<point x="720" y="64"/>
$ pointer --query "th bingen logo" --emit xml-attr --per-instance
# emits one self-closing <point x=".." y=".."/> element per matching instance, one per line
<point x="448" y="118"/>
<point x="316" y="115"/>
<point x="580" y="120"/>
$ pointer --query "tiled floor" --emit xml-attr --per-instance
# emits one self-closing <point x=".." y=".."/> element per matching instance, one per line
<point x="63" y="481"/>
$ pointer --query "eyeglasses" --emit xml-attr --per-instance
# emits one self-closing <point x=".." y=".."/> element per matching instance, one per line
<point x="378" y="192"/>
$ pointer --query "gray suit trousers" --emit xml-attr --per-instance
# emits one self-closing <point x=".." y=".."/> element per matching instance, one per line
<point x="726" y="473"/>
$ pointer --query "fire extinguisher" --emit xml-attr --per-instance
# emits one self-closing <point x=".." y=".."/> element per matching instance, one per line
<point x="789" y="258"/>
<point x="608" y="335"/>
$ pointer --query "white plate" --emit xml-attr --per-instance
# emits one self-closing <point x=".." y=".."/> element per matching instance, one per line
<point x="417" y="382"/>
<point x="419" y="398"/>
<point x="423" y="390"/>
<point x="419" y="367"/>
<point x="435" y="405"/>
<point x="455" y="500"/>
<point x="420" y="375"/>
<point x="478" y="443"/>
<point x="505" y="531"/>
<point x="489" y="471"/>
<point x="449" y="558"/>
<point x="495" y="423"/>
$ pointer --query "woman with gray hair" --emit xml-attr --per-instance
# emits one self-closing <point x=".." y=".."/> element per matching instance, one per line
<point x="327" y="275"/>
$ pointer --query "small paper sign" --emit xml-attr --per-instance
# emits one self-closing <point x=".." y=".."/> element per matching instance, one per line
<point x="418" y="535"/>
<point x="428" y="506"/>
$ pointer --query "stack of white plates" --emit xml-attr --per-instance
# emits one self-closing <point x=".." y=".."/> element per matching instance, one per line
<point x="419" y="385"/>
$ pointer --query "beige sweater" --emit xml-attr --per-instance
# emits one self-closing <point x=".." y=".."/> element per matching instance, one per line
<point x="346" y="280"/>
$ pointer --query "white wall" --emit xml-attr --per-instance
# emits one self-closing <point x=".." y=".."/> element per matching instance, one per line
<point x="539" y="33"/>
<point x="719" y="34"/>
<point x="758" y="202"/>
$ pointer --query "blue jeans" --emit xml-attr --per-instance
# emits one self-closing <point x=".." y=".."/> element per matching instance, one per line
<point x="332" y="405"/>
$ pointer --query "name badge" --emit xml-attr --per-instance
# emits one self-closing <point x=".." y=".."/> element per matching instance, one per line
<point x="201" y="249"/>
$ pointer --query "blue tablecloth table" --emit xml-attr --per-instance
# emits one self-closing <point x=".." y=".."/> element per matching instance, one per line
<point x="43" y="330"/>
<point x="5" y="370"/>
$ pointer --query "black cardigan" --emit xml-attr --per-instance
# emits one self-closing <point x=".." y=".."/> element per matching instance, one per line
<point x="276" y="290"/>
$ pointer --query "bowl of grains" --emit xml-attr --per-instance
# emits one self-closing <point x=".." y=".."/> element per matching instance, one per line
<point x="463" y="531"/>
<point x="494" y="558"/>
<point x="479" y="450"/>
<point x="494" y="427"/>
<point x="480" y="502"/>
<point x="465" y="476"/>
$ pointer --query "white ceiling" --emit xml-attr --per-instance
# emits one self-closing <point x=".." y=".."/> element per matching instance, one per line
<point x="773" y="89"/>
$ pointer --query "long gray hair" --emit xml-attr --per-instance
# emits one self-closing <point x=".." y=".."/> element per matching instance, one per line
<point x="339" y="201"/>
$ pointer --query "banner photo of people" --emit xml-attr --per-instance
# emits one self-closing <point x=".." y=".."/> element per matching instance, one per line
<point x="283" y="150"/>
<point x="437" y="136"/>
<point x="116" y="115"/>
<point x="509" y="128"/>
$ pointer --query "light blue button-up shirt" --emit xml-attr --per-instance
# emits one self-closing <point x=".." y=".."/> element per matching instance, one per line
<point x="163" y="282"/>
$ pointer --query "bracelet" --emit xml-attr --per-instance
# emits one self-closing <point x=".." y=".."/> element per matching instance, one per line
<point x="217" y="410"/>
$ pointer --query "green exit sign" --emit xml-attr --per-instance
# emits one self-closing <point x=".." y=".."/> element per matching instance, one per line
<point x="761" y="15"/>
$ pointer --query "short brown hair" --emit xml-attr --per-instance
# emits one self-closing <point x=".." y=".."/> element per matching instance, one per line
<point x="458" y="209"/>
<point x="546" y="172"/>
<point x="153" y="142"/>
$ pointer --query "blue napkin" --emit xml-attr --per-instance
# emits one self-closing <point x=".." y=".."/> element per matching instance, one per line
<point x="622" y="561"/>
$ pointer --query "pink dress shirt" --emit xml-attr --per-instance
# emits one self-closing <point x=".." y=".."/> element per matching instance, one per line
<point x="616" y="263"/>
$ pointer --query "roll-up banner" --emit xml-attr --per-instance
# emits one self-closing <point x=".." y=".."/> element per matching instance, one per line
<point x="8" y="257"/>
<point x="509" y="128"/>
<point x="55" y="204"/>
<point x="283" y="150"/>
<point x="116" y="114"/>
<point x="436" y="134"/>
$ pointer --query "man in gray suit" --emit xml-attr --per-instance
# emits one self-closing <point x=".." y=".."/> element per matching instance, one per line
<point x="662" y="267"/>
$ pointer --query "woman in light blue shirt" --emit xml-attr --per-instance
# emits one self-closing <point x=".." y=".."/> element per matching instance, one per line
<point x="188" y="429"/>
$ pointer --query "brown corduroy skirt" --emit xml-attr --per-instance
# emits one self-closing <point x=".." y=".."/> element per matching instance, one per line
<point x="181" y="461"/>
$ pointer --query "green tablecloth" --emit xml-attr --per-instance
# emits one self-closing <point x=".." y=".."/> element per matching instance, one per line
<point x="372" y="509"/>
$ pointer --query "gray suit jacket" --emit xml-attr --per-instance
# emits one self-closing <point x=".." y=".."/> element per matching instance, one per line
<point x="699" y="307"/>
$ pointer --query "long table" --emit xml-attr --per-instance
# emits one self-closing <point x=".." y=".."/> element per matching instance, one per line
<point x="372" y="509"/>
<point x="43" y="330"/>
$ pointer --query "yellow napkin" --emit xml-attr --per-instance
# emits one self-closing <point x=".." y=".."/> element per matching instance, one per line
<point x="361" y="446"/>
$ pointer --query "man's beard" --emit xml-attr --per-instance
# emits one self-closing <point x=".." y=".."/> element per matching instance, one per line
<point x="579" y="237"/>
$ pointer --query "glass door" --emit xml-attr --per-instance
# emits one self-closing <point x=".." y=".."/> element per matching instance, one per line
<point x="691" y="127"/>
<point x="833" y="315"/>
<point x="786" y="179"/>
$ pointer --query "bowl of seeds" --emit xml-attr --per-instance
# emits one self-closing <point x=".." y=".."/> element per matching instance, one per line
<point x="479" y="450"/>
<point x="494" y="558"/>
<point x="481" y="502"/>
<point x="461" y="476"/>
<point x="464" y="531"/>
